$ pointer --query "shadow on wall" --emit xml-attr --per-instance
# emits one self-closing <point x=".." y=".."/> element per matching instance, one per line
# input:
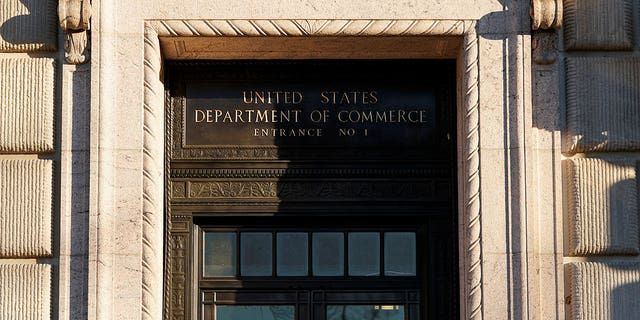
<point x="502" y="59"/>
<point x="625" y="304"/>
<point x="13" y="29"/>
<point x="623" y="299"/>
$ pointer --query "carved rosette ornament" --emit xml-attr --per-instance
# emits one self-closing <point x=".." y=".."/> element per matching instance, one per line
<point x="74" y="20"/>
<point x="546" y="14"/>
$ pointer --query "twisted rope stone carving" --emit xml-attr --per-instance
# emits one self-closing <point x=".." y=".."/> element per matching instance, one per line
<point x="153" y="181"/>
<point x="256" y="28"/>
<point x="471" y="167"/>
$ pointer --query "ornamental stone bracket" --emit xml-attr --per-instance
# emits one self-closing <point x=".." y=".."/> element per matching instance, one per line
<point x="75" y="18"/>
<point x="546" y="14"/>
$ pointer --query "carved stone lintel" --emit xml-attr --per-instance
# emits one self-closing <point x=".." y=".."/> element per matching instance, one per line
<point x="75" y="18"/>
<point x="544" y="47"/>
<point x="76" y="47"/>
<point x="546" y="14"/>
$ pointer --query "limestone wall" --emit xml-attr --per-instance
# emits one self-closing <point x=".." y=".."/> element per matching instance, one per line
<point x="602" y="155"/>
<point x="74" y="152"/>
<point x="28" y="157"/>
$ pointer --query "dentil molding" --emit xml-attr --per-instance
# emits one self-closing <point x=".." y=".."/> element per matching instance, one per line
<point x="75" y="18"/>
<point x="546" y="14"/>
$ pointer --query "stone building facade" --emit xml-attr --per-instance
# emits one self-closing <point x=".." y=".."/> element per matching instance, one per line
<point x="548" y="134"/>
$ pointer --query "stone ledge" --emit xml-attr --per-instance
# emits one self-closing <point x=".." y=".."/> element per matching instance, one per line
<point x="25" y="208"/>
<point x="25" y="291"/>
<point x="27" y="95"/>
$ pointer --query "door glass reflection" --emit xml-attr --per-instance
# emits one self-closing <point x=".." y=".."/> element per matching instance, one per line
<point x="328" y="254"/>
<point x="399" y="254"/>
<point x="364" y="254"/>
<point x="292" y="254"/>
<point x="255" y="254"/>
<point x="219" y="254"/>
<point x="365" y="312"/>
<point x="255" y="312"/>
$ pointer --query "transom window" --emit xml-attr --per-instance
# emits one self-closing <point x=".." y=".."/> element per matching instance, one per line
<point x="296" y="253"/>
<point x="291" y="273"/>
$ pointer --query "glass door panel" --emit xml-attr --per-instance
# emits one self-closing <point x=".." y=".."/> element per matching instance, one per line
<point x="365" y="312"/>
<point x="255" y="312"/>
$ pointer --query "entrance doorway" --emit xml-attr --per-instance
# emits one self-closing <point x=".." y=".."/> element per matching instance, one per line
<point x="312" y="189"/>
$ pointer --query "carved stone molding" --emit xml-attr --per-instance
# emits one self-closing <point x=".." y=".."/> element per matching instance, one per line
<point x="292" y="28"/>
<point x="75" y="18"/>
<point x="546" y="14"/>
<point x="76" y="47"/>
<point x="423" y="190"/>
<point x="471" y="254"/>
<point x="153" y="180"/>
<point x="153" y="183"/>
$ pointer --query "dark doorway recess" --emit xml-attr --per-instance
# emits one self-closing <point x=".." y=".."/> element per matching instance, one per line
<point x="311" y="189"/>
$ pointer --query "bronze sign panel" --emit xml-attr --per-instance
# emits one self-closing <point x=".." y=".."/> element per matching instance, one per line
<point x="362" y="105"/>
<point x="254" y="112"/>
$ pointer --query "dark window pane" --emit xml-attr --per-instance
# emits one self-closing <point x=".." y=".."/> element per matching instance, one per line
<point x="365" y="312"/>
<point x="328" y="254"/>
<point x="292" y="254"/>
<point x="255" y="254"/>
<point x="255" y="312"/>
<point x="400" y="253"/>
<point x="364" y="254"/>
<point x="219" y="254"/>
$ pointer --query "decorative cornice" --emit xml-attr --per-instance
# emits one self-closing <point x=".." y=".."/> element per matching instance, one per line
<point x="546" y="14"/>
<point x="75" y="18"/>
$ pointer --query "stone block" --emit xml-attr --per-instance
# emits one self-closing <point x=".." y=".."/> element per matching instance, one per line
<point x="28" y="25"/>
<point x="604" y="290"/>
<point x="603" y="104"/>
<point x="25" y="208"/>
<point x="25" y="291"/>
<point x="598" y="25"/>
<point x="26" y="105"/>
<point x="603" y="207"/>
